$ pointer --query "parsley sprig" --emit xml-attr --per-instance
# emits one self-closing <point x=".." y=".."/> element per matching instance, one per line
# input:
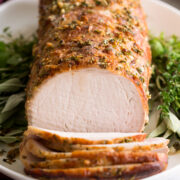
<point x="165" y="87"/>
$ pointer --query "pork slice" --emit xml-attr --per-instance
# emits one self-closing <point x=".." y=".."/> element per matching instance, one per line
<point x="64" y="140"/>
<point x="39" y="150"/>
<point x="135" y="171"/>
<point x="90" y="159"/>
<point x="148" y="144"/>
<point x="92" y="68"/>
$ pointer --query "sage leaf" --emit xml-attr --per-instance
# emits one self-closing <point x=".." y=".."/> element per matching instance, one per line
<point x="15" y="132"/>
<point x="2" y="46"/>
<point x="153" y="119"/>
<point x="20" y="119"/>
<point x="8" y="123"/>
<point x="173" y="123"/>
<point x="5" y="116"/>
<point x="168" y="133"/>
<point x="15" y="60"/>
<point x="9" y="139"/>
<point x="11" y="85"/>
<point x="13" y="101"/>
<point x="159" y="130"/>
<point x="3" y="98"/>
<point x="4" y="55"/>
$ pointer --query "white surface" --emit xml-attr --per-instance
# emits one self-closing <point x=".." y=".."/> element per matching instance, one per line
<point x="22" y="17"/>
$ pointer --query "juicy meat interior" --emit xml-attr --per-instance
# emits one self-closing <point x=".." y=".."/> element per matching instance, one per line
<point x="92" y="67"/>
<point x="88" y="100"/>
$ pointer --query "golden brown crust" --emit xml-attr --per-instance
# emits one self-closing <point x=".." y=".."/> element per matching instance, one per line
<point x="40" y="150"/>
<point x="57" y="142"/>
<point x="136" y="171"/>
<point x="110" y="34"/>
<point x="90" y="159"/>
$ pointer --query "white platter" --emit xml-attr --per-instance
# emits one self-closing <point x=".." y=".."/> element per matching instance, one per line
<point x="22" y="17"/>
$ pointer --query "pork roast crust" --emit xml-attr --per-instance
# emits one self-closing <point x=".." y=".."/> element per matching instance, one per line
<point x="90" y="159"/>
<point x="136" y="171"/>
<point x="41" y="151"/>
<point x="109" y="35"/>
<point x="64" y="142"/>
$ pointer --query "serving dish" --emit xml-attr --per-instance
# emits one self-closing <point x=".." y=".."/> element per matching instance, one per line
<point x="22" y="17"/>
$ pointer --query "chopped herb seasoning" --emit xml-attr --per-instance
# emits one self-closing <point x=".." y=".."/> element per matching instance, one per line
<point x="98" y="31"/>
<point x="103" y="62"/>
<point x="102" y="2"/>
<point x="126" y="52"/>
<point x="138" y="51"/>
<point x="85" y="43"/>
<point x="61" y="42"/>
<point x="84" y="4"/>
<point x="139" y="70"/>
<point x="112" y="41"/>
<point x="108" y="50"/>
<point x="74" y="58"/>
<point x="49" y="45"/>
<point x="142" y="79"/>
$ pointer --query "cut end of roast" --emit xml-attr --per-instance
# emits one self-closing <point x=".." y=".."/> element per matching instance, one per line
<point x="87" y="100"/>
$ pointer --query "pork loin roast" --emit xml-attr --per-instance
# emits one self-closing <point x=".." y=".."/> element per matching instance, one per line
<point x="92" y="67"/>
<point x="87" y="98"/>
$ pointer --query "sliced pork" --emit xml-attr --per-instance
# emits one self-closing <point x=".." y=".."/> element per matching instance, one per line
<point x="92" y="67"/>
<point x="63" y="141"/>
<point x="41" y="151"/>
<point x="135" y="171"/>
<point x="89" y="158"/>
<point x="148" y="144"/>
<point x="44" y="157"/>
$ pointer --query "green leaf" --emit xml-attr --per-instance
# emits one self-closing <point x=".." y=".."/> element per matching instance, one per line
<point x="13" y="101"/>
<point x="173" y="123"/>
<point x="9" y="139"/>
<point x="168" y="133"/>
<point x="4" y="55"/>
<point x="20" y="119"/>
<point x="5" y="116"/>
<point x="11" y="85"/>
<point x="15" y="132"/>
<point x="7" y="124"/>
<point x="159" y="130"/>
<point x="156" y="47"/>
<point x="15" y="60"/>
<point x="2" y="46"/>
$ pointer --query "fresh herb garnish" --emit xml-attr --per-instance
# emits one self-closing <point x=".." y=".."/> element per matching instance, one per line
<point x="15" y="59"/>
<point x="165" y="87"/>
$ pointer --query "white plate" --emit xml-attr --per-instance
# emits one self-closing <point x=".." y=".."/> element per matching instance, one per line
<point x="22" y="17"/>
